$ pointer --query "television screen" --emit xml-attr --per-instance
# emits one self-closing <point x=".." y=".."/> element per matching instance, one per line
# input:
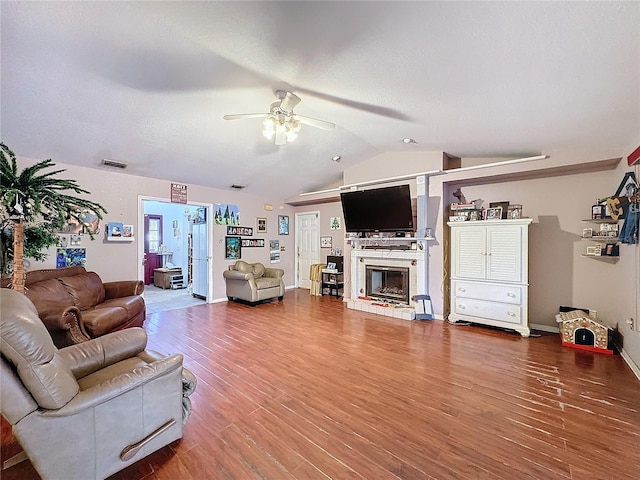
<point x="385" y="209"/>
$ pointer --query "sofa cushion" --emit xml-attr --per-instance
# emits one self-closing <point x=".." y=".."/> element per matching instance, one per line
<point x="133" y="305"/>
<point x="243" y="267"/>
<point x="102" y="320"/>
<point x="267" y="282"/>
<point x="27" y="344"/>
<point x="258" y="270"/>
<point x="86" y="289"/>
<point x="50" y="298"/>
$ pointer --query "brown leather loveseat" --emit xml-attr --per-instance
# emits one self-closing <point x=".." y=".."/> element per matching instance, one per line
<point x="75" y="305"/>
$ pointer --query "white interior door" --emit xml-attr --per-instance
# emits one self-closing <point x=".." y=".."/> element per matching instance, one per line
<point x="307" y="246"/>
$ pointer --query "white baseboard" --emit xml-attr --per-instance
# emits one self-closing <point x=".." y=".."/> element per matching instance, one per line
<point x="634" y="368"/>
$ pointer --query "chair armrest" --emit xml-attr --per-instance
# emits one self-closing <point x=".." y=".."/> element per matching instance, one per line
<point x="123" y="288"/>
<point x="70" y="323"/>
<point x="88" y="357"/>
<point x="236" y="275"/>
<point x="117" y="386"/>
<point x="274" y="272"/>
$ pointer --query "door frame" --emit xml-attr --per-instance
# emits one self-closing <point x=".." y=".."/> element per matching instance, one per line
<point x="297" y="241"/>
<point x="209" y="213"/>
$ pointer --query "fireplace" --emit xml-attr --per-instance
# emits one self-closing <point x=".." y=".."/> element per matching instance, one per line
<point x="387" y="283"/>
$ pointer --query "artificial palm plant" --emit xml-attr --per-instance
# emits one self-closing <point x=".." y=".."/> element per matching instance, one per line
<point x="34" y="206"/>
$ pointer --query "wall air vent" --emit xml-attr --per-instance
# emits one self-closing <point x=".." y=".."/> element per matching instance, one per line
<point x="237" y="187"/>
<point x="112" y="163"/>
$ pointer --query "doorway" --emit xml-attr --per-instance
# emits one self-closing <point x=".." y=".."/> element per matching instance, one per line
<point x="167" y="249"/>
<point x="152" y="241"/>
<point x="307" y="246"/>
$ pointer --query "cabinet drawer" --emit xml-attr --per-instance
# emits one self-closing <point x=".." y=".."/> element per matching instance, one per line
<point x="498" y="293"/>
<point x="492" y="310"/>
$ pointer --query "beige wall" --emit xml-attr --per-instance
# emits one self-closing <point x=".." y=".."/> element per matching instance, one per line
<point x="119" y="193"/>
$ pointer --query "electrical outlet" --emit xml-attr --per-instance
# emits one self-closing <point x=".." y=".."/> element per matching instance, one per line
<point x="632" y="323"/>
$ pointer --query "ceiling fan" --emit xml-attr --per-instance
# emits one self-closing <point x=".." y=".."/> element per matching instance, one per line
<point x="281" y="122"/>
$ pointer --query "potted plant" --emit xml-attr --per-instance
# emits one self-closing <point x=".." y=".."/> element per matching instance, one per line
<point x="35" y="205"/>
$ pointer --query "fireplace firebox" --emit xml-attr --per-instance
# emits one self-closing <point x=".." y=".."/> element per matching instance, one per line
<point x="388" y="283"/>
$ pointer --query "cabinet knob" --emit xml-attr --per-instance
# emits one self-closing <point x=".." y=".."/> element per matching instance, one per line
<point x="461" y="307"/>
<point x="511" y="314"/>
<point x="511" y="294"/>
<point x="461" y="289"/>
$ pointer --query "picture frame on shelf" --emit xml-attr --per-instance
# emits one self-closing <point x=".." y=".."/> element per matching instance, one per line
<point x="514" y="211"/>
<point x="331" y="266"/>
<point x="127" y="230"/>
<point x="597" y="212"/>
<point x="611" y="250"/>
<point x="594" y="250"/>
<point x="587" y="232"/>
<point x="494" y="213"/>
<point x="114" y="229"/>
<point x="503" y="205"/>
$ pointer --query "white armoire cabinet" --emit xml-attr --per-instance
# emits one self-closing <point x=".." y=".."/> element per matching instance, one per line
<point x="489" y="273"/>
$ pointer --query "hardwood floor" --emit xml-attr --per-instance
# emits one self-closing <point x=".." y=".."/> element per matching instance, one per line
<point x="307" y="389"/>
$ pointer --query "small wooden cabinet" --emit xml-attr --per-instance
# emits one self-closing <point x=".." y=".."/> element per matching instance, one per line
<point x="168" y="278"/>
<point x="333" y="281"/>
<point x="489" y="273"/>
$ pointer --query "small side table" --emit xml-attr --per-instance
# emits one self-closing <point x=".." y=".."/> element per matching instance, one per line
<point x="168" y="278"/>
<point x="333" y="280"/>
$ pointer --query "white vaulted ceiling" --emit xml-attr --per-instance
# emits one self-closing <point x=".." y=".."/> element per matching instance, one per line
<point x="147" y="83"/>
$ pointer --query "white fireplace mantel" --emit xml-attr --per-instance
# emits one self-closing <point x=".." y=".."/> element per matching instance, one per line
<point x="415" y="260"/>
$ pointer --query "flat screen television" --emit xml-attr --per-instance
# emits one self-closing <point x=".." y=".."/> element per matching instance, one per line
<point x="385" y="209"/>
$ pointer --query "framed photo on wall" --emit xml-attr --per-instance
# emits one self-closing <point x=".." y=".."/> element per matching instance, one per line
<point x="325" y="242"/>
<point x="232" y="248"/>
<point x="283" y="225"/>
<point x="261" y="225"/>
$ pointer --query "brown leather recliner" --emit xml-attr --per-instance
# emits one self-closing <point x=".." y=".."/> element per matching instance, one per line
<point x="91" y="409"/>
<point x="75" y="305"/>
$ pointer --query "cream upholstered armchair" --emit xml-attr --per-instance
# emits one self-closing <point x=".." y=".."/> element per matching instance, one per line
<point x="253" y="283"/>
<point x="88" y="410"/>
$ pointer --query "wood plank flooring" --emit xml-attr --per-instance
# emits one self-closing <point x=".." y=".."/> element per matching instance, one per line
<point x="307" y="389"/>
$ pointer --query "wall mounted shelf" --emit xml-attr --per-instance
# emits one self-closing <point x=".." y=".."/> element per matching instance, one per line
<point x="120" y="239"/>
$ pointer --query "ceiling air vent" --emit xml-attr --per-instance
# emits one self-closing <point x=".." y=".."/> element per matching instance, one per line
<point x="112" y="163"/>
<point x="237" y="187"/>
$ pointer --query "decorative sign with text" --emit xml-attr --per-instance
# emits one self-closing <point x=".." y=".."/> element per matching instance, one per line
<point x="178" y="193"/>
<point x="242" y="231"/>
<point x="253" y="242"/>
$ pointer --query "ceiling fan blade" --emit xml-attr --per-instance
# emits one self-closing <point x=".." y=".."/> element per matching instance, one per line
<point x="281" y="138"/>
<point x="289" y="101"/>
<point x="245" y="115"/>
<point x="315" y="123"/>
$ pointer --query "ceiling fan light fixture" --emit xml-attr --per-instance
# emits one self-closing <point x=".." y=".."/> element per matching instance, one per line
<point x="269" y="127"/>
